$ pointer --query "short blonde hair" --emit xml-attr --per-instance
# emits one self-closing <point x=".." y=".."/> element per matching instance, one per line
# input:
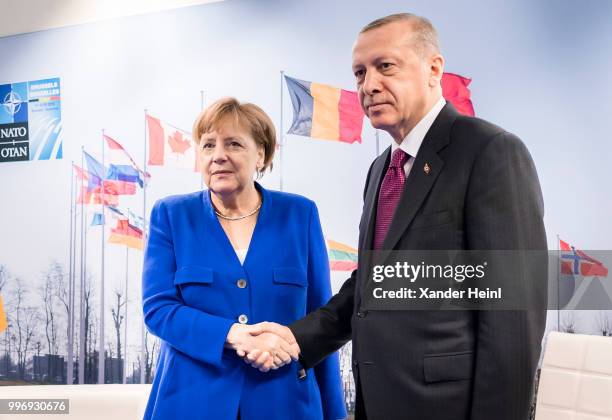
<point x="246" y="115"/>
<point x="424" y="35"/>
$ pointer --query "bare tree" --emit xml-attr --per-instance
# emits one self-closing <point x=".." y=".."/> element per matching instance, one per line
<point x="25" y="319"/>
<point x="604" y="323"/>
<point x="90" y="334"/>
<point x="52" y="277"/>
<point x="62" y="292"/>
<point x="568" y="322"/>
<point x="149" y="355"/>
<point x="117" y="320"/>
<point x="3" y="276"/>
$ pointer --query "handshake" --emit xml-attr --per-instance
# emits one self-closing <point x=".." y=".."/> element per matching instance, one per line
<point x="264" y="346"/>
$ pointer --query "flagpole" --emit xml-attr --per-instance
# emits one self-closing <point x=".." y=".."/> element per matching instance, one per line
<point x="73" y="296"/>
<point x="69" y="366"/>
<point x="281" y="136"/>
<point x="377" y="143"/>
<point x="195" y="141"/>
<point x="127" y="256"/>
<point x="144" y="239"/>
<point x="82" y="286"/>
<point x="558" y="285"/>
<point x="101" y="355"/>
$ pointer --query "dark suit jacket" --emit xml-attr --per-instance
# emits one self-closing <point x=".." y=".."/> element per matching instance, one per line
<point x="481" y="193"/>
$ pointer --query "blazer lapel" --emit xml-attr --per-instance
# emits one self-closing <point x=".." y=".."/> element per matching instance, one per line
<point x="425" y="169"/>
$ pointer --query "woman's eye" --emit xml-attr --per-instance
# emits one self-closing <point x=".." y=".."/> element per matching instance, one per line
<point x="208" y="146"/>
<point x="235" y="144"/>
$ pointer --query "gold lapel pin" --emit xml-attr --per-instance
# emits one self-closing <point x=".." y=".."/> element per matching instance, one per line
<point x="426" y="169"/>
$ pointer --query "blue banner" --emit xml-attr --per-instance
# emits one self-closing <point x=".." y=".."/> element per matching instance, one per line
<point x="30" y="121"/>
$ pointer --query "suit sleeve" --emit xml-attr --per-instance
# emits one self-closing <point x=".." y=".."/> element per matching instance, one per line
<point x="189" y="330"/>
<point x="319" y="291"/>
<point x="325" y="330"/>
<point x="504" y="211"/>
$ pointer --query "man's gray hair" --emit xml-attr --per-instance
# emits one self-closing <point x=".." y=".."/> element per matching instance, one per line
<point x="424" y="35"/>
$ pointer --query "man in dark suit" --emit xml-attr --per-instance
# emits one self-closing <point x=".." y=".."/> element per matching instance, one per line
<point x="448" y="182"/>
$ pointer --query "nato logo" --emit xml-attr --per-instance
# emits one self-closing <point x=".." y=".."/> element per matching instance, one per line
<point x="14" y="103"/>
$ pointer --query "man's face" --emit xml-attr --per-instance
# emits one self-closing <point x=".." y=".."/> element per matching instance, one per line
<point x="392" y="79"/>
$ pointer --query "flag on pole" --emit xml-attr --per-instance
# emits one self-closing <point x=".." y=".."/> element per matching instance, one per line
<point x="116" y="213"/>
<point x="3" y="318"/>
<point x="117" y="179"/>
<point x="575" y="261"/>
<point x="98" y="219"/>
<point x="96" y="197"/>
<point x="96" y="171"/>
<point x="123" y="179"/>
<point x="126" y="234"/>
<point x="81" y="173"/>
<point x="170" y="146"/>
<point x="117" y="155"/>
<point x="135" y="220"/>
<point x="341" y="257"/>
<point x="324" y="112"/>
<point x="455" y="90"/>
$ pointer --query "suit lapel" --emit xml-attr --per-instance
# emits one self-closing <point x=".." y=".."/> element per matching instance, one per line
<point x="371" y="199"/>
<point x="425" y="170"/>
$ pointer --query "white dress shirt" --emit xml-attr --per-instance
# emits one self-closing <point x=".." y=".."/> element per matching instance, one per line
<point x="412" y="142"/>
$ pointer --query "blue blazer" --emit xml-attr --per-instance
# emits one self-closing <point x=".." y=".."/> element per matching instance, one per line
<point x="191" y="297"/>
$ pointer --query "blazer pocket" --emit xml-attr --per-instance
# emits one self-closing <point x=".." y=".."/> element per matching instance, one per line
<point x="193" y="274"/>
<point x="290" y="276"/>
<point x="448" y="366"/>
<point x="431" y="220"/>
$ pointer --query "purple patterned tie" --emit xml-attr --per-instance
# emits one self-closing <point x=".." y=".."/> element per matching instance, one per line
<point x="390" y="192"/>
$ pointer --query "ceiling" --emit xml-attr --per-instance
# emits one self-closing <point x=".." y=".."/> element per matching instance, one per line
<point x="23" y="16"/>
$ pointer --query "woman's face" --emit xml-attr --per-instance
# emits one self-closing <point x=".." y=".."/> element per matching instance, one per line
<point x="229" y="158"/>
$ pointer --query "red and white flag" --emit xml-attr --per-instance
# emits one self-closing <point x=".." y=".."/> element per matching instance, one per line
<point x="577" y="262"/>
<point x="170" y="146"/>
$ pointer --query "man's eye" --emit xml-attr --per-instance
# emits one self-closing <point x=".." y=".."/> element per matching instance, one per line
<point x="385" y="66"/>
<point x="359" y="73"/>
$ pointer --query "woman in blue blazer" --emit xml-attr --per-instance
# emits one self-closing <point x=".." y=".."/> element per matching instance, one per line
<point x="222" y="259"/>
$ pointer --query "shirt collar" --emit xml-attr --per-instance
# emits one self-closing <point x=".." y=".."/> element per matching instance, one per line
<point x="412" y="142"/>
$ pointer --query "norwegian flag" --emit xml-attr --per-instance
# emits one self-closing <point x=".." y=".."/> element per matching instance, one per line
<point x="576" y="262"/>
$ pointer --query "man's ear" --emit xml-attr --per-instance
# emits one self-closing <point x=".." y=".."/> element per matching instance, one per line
<point x="436" y="69"/>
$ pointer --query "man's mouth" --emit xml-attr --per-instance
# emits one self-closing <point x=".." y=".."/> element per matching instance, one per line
<point x="376" y="106"/>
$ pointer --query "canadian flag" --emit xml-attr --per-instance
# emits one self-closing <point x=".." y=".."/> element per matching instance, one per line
<point x="170" y="146"/>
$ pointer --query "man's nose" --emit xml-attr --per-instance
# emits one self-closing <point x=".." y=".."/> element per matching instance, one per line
<point x="371" y="83"/>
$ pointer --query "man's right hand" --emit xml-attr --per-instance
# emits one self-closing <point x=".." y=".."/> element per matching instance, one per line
<point x="262" y="346"/>
<point x="256" y="357"/>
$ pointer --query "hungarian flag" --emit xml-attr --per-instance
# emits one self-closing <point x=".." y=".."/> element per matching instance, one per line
<point x="455" y="90"/>
<point x="341" y="257"/>
<point x="576" y="262"/>
<point x="3" y="319"/>
<point x="324" y="112"/>
<point x="126" y="234"/>
<point x="170" y="146"/>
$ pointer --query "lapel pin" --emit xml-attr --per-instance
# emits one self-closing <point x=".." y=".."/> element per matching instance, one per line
<point x="426" y="169"/>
